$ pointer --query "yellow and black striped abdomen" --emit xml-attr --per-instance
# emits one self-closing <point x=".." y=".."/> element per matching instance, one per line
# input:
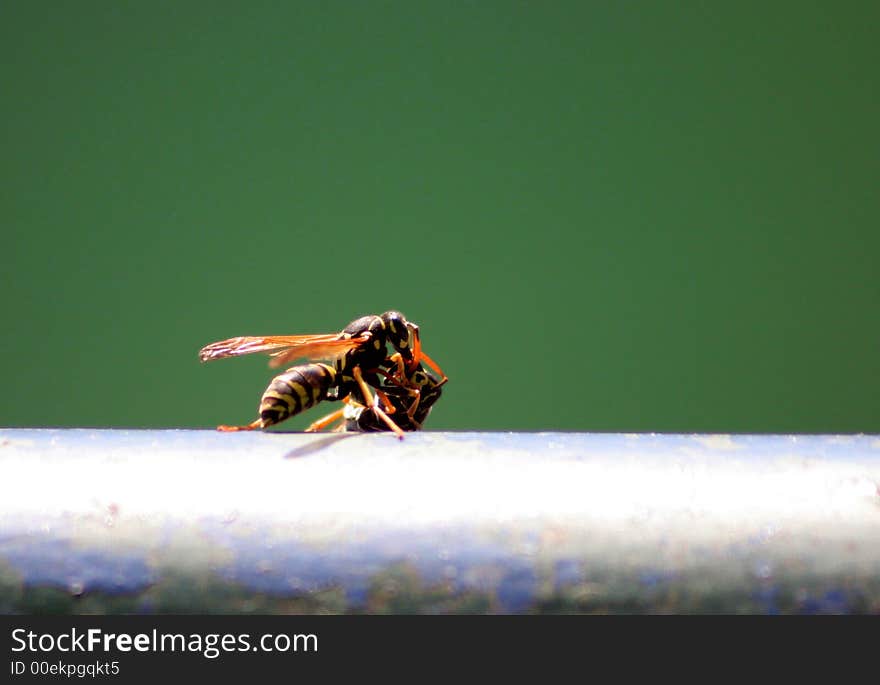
<point x="297" y="389"/>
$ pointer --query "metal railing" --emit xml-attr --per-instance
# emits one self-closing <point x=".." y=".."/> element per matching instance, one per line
<point x="156" y="521"/>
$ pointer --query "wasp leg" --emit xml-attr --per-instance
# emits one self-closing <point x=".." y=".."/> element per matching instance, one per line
<point x="382" y="396"/>
<point x="412" y="408"/>
<point x="254" y="425"/>
<point x="395" y="380"/>
<point x="397" y="359"/>
<point x="321" y="424"/>
<point x="373" y="379"/>
<point x="373" y="403"/>
<point x="398" y="380"/>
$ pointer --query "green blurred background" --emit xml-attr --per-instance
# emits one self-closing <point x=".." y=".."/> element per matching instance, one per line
<point x="604" y="216"/>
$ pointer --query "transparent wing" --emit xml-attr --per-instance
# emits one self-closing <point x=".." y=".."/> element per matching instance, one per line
<point x="282" y="348"/>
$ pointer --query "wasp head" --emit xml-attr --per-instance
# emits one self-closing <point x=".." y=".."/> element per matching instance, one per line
<point x="398" y="332"/>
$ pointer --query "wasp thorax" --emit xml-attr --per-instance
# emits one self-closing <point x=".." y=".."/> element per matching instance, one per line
<point x="365" y="324"/>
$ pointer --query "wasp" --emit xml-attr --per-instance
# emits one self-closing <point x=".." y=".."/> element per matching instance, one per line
<point x="410" y="402"/>
<point x="358" y="353"/>
<point x="408" y="393"/>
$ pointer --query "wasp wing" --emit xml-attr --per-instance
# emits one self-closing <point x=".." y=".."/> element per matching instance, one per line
<point x="282" y="347"/>
<point x="317" y="349"/>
